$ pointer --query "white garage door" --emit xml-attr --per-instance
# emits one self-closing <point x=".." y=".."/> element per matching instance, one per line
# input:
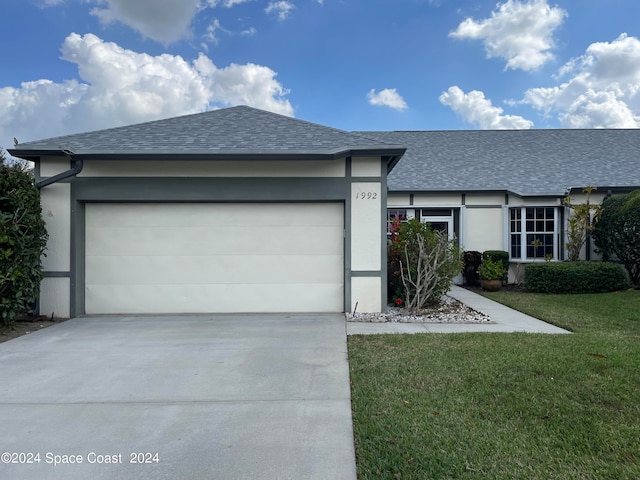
<point x="201" y="258"/>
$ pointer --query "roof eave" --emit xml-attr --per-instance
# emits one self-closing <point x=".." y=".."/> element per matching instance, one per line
<point x="476" y="191"/>
<point x="393" y="152"/>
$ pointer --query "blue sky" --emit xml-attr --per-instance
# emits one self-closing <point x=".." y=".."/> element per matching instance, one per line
<point x="77" y="65"/>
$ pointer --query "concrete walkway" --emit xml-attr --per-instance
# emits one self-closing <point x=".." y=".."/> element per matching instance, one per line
<point x="504" y="319"/>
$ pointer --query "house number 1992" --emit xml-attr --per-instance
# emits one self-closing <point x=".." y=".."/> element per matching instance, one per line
<point x="366" y="195"/>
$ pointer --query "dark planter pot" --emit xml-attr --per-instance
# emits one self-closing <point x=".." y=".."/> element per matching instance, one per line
<point x="491" y="285"/>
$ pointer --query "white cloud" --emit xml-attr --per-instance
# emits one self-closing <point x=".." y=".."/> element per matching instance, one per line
<point x="282" y="8"/>
<point x="603" y="90"/>
<point x="164" y="23"/>
<point x="521" y="32"/>
<point x="226" y="3"/>
<point x="210" y="35"/>
<point x="474" y="108"/>
<point x="388" y="97"/>
<point x="120" y="86"/>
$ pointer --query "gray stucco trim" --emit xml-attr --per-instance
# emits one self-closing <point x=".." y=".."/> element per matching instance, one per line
<point x="364" y="273"/>
<point x="77" y="255"/>
<point x="383" y="243"/>
<point x="347" y="237"/>
<point x="210" y="190"/>
<point x="348" y="165"/>
<point x="366" y="179"/>
<point x="470" y="207"/>
<point x="36" y="169"/>
<point x="51" y="274"/>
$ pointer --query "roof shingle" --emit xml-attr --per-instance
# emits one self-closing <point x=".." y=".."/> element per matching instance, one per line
<point x="235" y="131"/>
<point x="526" y="162"/>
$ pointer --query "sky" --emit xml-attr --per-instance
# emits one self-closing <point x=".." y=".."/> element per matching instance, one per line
<point x="69" y="66"/>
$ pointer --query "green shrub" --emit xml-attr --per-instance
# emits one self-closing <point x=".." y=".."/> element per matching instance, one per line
<point x="617" y="233"/>
<point x="575" y="277"/>
<point x="23" y="238"/>
<point x="497" y="256"/>
<point x="471" y="260"/>
<point x="491" y="269"/>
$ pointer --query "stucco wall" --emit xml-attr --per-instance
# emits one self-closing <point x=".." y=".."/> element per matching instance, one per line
<point x="483" y="229"/>
<point x="474" y="199"/>
<point x="399" y="200"/>
<point x="365" y="226"/>
<point x="365" y="294"/>
<point x="53" y="166"/>
<point x="366" y="167"/>
<point x="54" y="297"/>
<point x="448" y="199"/>
<point x="56" y="210"/>
<point x="189" y="168"/>
<point x="197" y="181"/>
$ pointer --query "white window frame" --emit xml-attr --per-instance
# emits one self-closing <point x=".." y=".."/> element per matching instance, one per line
<point x="523" y="233"/>
<point x="411" y="214"/>
<point x="448" y="219"/>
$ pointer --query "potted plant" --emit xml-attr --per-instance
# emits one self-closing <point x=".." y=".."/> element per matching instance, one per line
<point x="491" y="273"/>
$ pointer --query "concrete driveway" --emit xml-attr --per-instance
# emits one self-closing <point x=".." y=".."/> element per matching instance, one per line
<point x="186" y="397"/>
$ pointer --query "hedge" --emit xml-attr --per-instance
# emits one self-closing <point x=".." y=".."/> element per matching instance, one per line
<point x="617" y="233"/>
<point x="23" y="238"/>
<point x="575" y="277"/>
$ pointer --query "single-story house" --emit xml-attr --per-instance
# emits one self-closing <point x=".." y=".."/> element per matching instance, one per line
<point x="506" y="189"/>
<point x="242" y="210"/>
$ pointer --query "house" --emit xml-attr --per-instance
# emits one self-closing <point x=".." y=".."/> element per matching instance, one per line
<point x="233" y="210"/>
<point x="242" y="210"/>
<point x="505" y="189"/>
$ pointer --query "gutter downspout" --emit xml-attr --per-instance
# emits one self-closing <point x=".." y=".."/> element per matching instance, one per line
<point x="75" y="170"/>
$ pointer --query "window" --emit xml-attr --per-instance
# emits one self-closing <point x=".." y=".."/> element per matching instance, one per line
<point x="533" y="233"/>
<point x="439" y="218"/>
<point x="395" y="214"/>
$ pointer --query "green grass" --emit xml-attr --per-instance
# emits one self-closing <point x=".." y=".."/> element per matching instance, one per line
<point x="505" y="406"/>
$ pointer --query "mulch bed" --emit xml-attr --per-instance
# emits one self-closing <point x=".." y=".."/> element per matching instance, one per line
<point x="25" y="325"/>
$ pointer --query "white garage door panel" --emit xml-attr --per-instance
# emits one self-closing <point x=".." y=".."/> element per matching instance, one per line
<point x="200" y="258"/>
<point x="157" y="240"/>
<point x="202" y="214"/>
<point x="271" y="269"/>
<point x="112" y="299"/>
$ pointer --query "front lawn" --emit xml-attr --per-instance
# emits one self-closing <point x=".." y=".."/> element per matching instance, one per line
<point x="504" y="406"/>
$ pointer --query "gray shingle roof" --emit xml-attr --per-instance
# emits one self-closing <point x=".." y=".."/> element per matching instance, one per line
<point x="526" y="162"/>
<point x="235" y="131"/>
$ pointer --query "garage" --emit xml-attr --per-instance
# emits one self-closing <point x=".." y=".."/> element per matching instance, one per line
<point x="214" y="257"/>
<point x="233" y="210"/>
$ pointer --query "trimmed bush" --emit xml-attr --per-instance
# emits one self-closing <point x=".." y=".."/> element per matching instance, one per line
<point x="471" y="260"/>
<point x="497" y="256"/>
<point x="575" y="277"/>
<point x="23" y="238"/>
<point x="617" y="233"/>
